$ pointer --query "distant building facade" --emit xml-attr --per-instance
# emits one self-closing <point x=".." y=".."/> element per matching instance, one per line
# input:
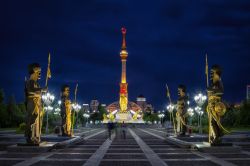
<point x="94" y="105"/>
<point x="85" y="107"/>
<point x="142" y="102"/>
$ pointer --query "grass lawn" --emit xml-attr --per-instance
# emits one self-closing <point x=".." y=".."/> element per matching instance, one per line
<point x="5" y="129"/>
<point x="240" y="128"/>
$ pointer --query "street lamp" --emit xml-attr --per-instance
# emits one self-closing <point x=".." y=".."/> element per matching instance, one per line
<point x="199" y="111"/>
<point x="57" y="111"/>
<point x="47" y="109"/>
<point x="200" y="100"/>
<point x="76" y="107"/>
<point x="86" y="115"/>
<point x="161" y="116"/>
<point x="170" y="109"/>
<point x="190" y="113"/>
<point x="47" y="99"/>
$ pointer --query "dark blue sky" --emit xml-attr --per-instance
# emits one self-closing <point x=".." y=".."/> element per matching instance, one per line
<point x="166" y="41"/>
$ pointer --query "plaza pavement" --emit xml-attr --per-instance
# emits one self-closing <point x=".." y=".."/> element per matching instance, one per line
<point x="142" y="147"/>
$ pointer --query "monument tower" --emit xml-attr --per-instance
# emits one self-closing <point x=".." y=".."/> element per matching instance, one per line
<point x="123" y="85"/>
<point x="124" y="110"/>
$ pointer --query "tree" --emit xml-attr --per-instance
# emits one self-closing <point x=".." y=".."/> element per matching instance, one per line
<point x="3" y="115"/>
<point x="15" y="115"/>
<point x="1" y="96"/>
<point x="101" y="111"/>
<point x="150" y="117"/>
<point x="94" y="116"/>
<point x="243" y="118"/>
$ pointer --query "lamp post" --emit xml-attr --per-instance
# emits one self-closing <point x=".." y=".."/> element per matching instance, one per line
<point x="170" y="109"/>
<point x="190" y="113"/>
<point x="57" y="111"/>
<point x="161" y="116"/>
<point x="200" y="100"/>
<point x="76" y="107"/>
<point x="86" y="115"/>
<point x="200" y="113"/>
<point x="48" y="99"/>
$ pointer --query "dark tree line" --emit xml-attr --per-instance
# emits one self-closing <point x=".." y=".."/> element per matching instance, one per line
<point x="11" y="113"/>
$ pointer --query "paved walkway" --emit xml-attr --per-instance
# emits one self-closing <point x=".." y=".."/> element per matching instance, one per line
<point x="142" y="147"/>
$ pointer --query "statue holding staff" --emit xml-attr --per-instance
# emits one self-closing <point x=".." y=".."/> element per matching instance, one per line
<point x="182" y="107"/>
<point x="33" y="96"/>
<point x="66" y="111"/>
<point x="216" y="108"/>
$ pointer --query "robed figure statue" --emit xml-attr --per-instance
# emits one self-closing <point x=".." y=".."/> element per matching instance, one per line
<point x="66" y="111"/>
<point x="33" y="96"/>
<point x="216" y="108"/>
<point x="182" y="106"/>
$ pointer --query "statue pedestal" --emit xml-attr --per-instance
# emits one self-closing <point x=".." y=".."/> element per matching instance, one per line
<point x="206" y="147"/>
<point x="123" y="116"/>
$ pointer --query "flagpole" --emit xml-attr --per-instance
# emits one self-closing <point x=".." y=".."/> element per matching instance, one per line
<point x="209" y="114"/>
<point x="207" y="71"/>
<point x="73" y="118"/>
<point x="48" y="75"/>
<point x="76" y="91"/>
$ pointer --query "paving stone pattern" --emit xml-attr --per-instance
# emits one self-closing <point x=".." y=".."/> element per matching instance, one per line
<point x="140" y="148"/>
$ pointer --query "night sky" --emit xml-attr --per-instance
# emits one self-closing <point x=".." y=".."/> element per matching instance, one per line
<point x="166" y="41"/>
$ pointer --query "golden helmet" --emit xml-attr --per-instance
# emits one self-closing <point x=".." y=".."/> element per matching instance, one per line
<point x="220" y="108"/>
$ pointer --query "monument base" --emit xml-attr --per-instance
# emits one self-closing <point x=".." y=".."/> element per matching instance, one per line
<point x="218" y="148"/>
<point x="30" y="144"/>
<point x="123" y="117"/>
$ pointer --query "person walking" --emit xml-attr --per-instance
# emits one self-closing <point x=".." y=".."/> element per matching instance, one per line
<point x="124" y="130"/>
<point x="110" y="127"/>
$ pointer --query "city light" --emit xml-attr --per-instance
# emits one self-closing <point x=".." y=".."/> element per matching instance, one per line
<point x="48" y="99"/>
<point x="76" y="107"/>
<point x="200" y="100"/>
<point x="170" y="108"/>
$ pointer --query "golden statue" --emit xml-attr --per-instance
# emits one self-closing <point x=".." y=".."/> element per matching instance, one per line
<point x="216" y="108"/>
<point x="123" y="103"/>
<point x="33" y="101"/>
<point x="182" y="107"/>
<point x="66" y="111"/>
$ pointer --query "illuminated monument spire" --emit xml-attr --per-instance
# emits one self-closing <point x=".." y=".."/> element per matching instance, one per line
<point x="123" y="85"/>
<point x="123" y="110"/>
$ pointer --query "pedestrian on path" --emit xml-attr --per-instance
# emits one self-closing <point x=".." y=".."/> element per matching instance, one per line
<point x="110" y="127"/>
<point x="124" y="130"/>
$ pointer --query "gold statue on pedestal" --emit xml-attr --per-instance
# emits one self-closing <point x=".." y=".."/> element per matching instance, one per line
<point x="33" y="95"/>
<point x="216" y="108"/>
<point x="123" y="85"/>
<point x="66" y="111"/>
<point x="182" y="107"/>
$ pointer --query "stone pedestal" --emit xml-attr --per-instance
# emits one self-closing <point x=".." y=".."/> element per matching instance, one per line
<point x="120" y="117"/>
<point x="220" y="148"/>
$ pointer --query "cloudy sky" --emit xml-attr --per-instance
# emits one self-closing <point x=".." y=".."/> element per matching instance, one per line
<point x="166" y="40"/>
